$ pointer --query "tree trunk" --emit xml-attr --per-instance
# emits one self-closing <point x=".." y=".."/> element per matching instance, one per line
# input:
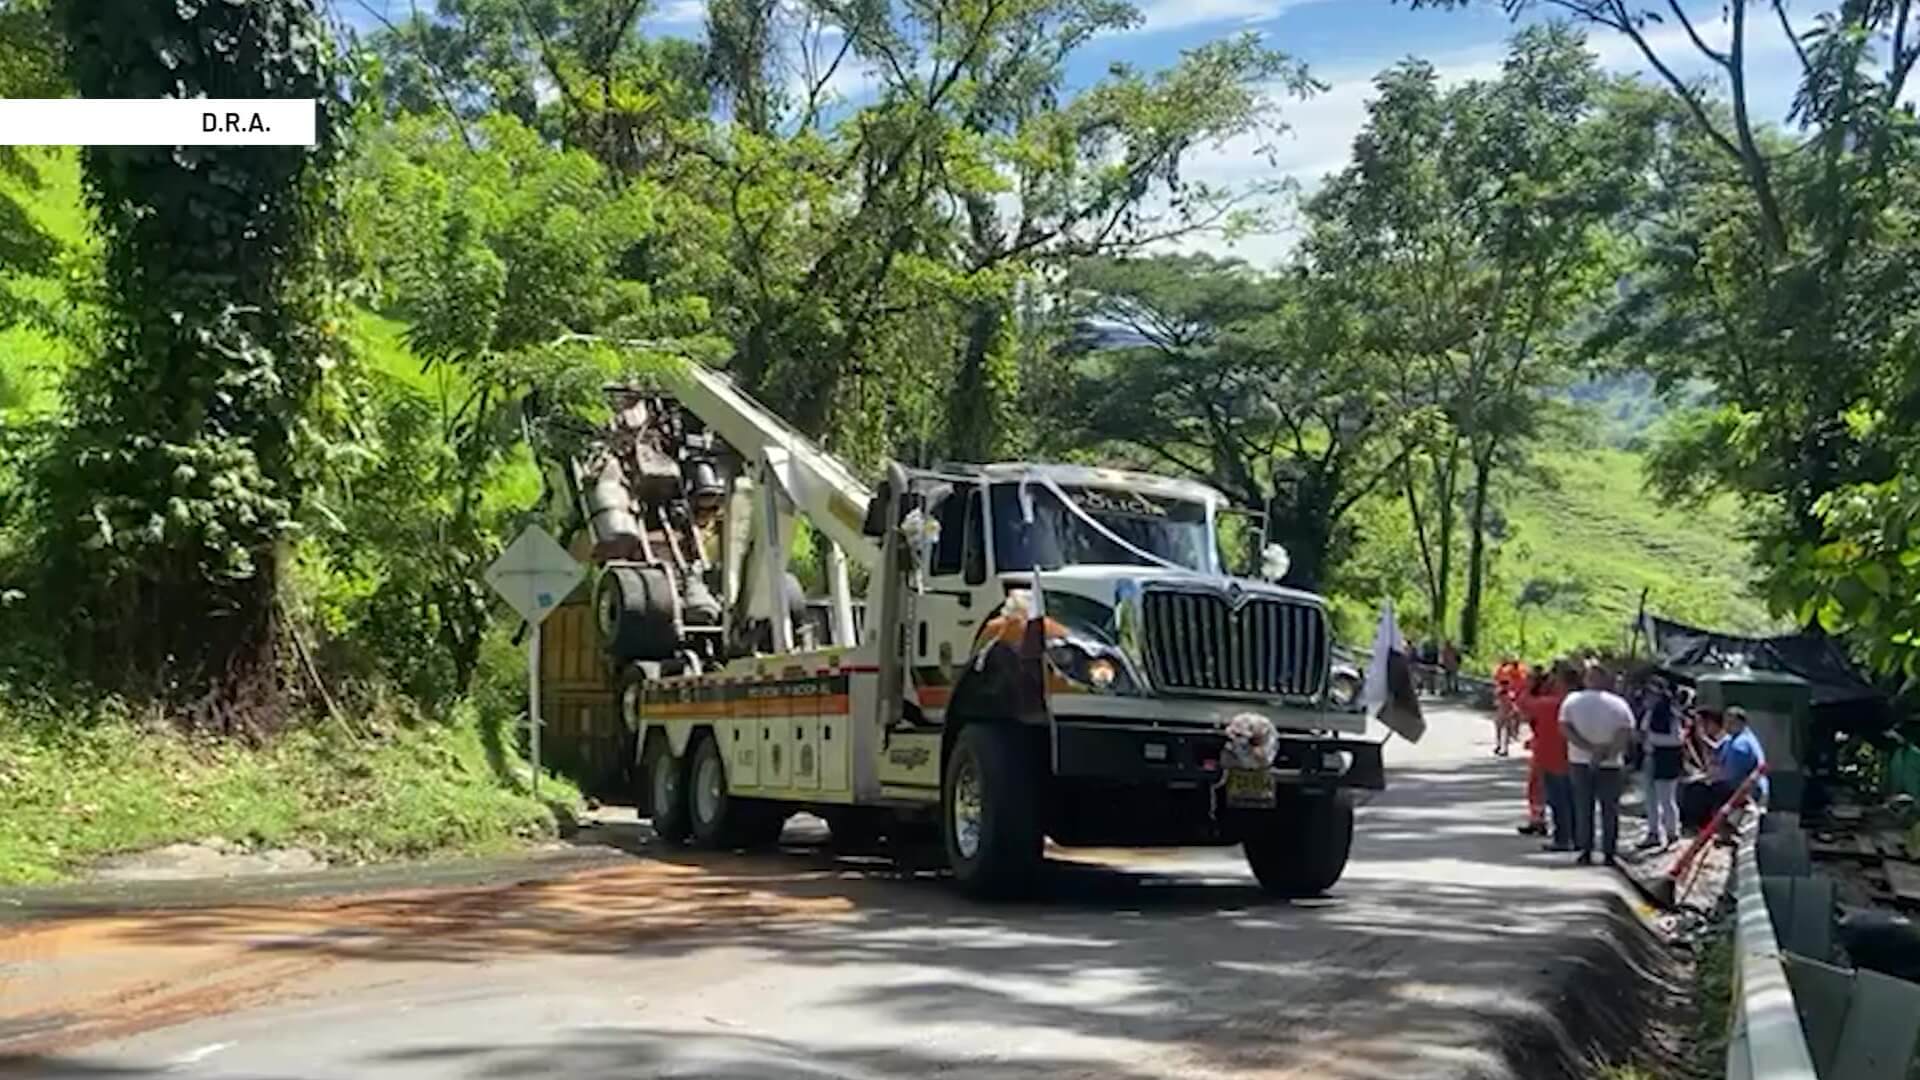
<point x="983" y="387"/>
<point x="209" y="266"/>
<point x="1476" y="549"/>
<point x="1443" y="496"/>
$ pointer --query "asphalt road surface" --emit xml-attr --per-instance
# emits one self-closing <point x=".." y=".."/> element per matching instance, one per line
<point x="1448" y="933"/>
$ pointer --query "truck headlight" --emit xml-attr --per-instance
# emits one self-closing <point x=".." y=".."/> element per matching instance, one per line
<point x="1092" y="667"/>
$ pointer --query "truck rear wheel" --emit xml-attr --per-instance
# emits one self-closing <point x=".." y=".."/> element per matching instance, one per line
<point x="1301" y="847"/>
<point x="665" y="791"/>
<point x="990" y="811"/>
<point x="718" y="818"/>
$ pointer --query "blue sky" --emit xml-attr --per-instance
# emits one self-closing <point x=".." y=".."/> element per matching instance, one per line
<point x="1344" y="43"/>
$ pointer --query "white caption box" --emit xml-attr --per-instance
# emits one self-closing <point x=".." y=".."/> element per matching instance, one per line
<point x="157" y="122"/>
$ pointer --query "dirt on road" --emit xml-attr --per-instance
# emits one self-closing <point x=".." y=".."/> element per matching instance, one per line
<point x="1452" y="948"/>
<point x="75" y="980"/>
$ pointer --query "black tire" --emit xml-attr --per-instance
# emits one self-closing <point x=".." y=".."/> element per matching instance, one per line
<point x="717" y="817"/>
<point x="628" y="772"/>
<point x="1301" y="847"/>
<point x="637" y="612"/>
<point x="990" y="812"/>
<point x="662" y="791"/>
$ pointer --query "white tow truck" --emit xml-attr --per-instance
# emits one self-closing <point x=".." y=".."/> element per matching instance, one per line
<point x="1042" y="651"/>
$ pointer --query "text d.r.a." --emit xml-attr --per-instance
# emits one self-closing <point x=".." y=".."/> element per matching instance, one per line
<point x="233" y="122"/>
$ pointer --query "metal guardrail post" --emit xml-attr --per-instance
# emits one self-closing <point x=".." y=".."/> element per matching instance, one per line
<point x="1766" y="1041"/>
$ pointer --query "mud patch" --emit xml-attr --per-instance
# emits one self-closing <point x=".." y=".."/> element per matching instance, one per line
<point x="76" y="980"/>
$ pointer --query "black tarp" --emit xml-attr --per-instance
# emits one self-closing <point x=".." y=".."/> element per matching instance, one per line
<point x="1690" y="651"/>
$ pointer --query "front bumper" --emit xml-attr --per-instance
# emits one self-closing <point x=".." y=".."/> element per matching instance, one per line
<point x="1188" y="756"/>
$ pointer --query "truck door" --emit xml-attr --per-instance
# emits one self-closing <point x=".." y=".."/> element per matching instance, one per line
<point x="949" y="607"/>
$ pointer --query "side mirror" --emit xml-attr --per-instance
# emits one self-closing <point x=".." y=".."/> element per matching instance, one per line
<point x="1274" y="562"/>
<point x="875" y="523"/>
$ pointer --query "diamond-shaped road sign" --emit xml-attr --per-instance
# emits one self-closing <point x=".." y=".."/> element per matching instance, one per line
<point x="534" y="574"/>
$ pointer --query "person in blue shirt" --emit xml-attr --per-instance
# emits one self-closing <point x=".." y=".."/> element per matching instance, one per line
<point x="1738" y="755"/>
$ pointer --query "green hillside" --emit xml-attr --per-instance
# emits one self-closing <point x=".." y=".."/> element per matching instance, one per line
<point x="1591" y="540"/>
<point x="1580" y="542"/>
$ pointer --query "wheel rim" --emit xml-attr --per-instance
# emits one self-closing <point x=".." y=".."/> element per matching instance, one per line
<point x="630" y="703"/>
<point x="610" y="608"/>
<point x="967" y="806"/>
<point x="666" y="786"/>
<point x="707" y="785"/>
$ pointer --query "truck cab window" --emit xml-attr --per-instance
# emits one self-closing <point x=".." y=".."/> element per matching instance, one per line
<point x="952" y="514"/>
<point x="974" y="554"/>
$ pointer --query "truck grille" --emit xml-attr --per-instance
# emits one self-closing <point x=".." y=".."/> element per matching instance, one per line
<point x="1200" y="642"/>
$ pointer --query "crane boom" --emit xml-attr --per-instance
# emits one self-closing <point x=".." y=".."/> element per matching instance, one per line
<point x="820" y="486"/>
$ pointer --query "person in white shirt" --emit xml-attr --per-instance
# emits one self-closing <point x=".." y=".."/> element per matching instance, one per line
<point x="1598" y="725"/>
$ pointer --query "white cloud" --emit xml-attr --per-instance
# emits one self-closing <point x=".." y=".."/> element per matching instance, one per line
<point x="679" y="13"/>
<point x="1160" y="16"/>
<point x="1321" y="129"/>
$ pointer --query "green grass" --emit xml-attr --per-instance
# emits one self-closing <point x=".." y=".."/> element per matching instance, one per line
<point x="1713" y="996"/>
<point x="1600" y="539"/>
<point x="74" y="789"/>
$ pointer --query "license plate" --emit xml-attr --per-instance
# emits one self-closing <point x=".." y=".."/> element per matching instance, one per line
<point x="1249" y="787"/>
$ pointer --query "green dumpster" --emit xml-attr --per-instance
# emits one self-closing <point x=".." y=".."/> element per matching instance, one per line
<point x="1779" y="708"/>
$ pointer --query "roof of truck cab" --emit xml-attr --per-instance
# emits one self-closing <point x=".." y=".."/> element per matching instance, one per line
<point x="1092" y="476"/>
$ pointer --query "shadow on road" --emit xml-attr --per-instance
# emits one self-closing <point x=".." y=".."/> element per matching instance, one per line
<point x="1444" y="952"/>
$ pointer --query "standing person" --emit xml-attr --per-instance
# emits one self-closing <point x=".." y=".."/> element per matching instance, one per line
<point x="1534" y="687"/>
<point x="1738" y="755"/>
<point x="1599" y="728"/>
<point x="1450" y="664"/>
<point x="1541" y="707"/>
<point x="1663" y="738"/>
<point x="1509" y="682"/>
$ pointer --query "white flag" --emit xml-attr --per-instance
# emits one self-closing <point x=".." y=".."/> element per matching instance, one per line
<point x="1388" y="692"/>
<point x="1386" y="639"/>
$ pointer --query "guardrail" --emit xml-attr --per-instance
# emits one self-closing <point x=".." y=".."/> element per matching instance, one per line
<point x="1797" y="1014"/>
<point x="1766" y="1040"/>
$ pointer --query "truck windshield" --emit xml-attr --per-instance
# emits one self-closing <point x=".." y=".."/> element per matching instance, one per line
<point x="1173" y="529"/>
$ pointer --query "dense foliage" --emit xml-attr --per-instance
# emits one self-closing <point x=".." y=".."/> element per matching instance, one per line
<point x="1777" y="269"/>
<point x="176" y="471"/>
<point x="308" y="378"/>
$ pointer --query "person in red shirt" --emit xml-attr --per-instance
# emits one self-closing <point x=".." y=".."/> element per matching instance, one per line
<point x="1509" y="682"/>
<point x="1541" y="708"/>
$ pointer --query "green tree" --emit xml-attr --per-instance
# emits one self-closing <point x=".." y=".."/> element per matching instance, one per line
<point x="1777" y="270"/>
<point x="178" y="474"/>
<point x="893" y="297"/>
<point x="29" y="67"/>
<point x="1474" y="226"/>
<point x="1257" y="384"/>
<point x="512" y="265"/>
<point x="577" y="70"/>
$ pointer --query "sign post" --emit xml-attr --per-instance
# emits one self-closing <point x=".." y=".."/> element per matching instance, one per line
<point x="533" y="575"/>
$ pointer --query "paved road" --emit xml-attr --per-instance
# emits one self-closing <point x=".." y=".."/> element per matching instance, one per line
<point x="1446" y="935"/>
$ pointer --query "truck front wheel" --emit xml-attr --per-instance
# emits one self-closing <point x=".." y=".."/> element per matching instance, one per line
<point x="990" y="811"/>
<point x="1300" y="847"/>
